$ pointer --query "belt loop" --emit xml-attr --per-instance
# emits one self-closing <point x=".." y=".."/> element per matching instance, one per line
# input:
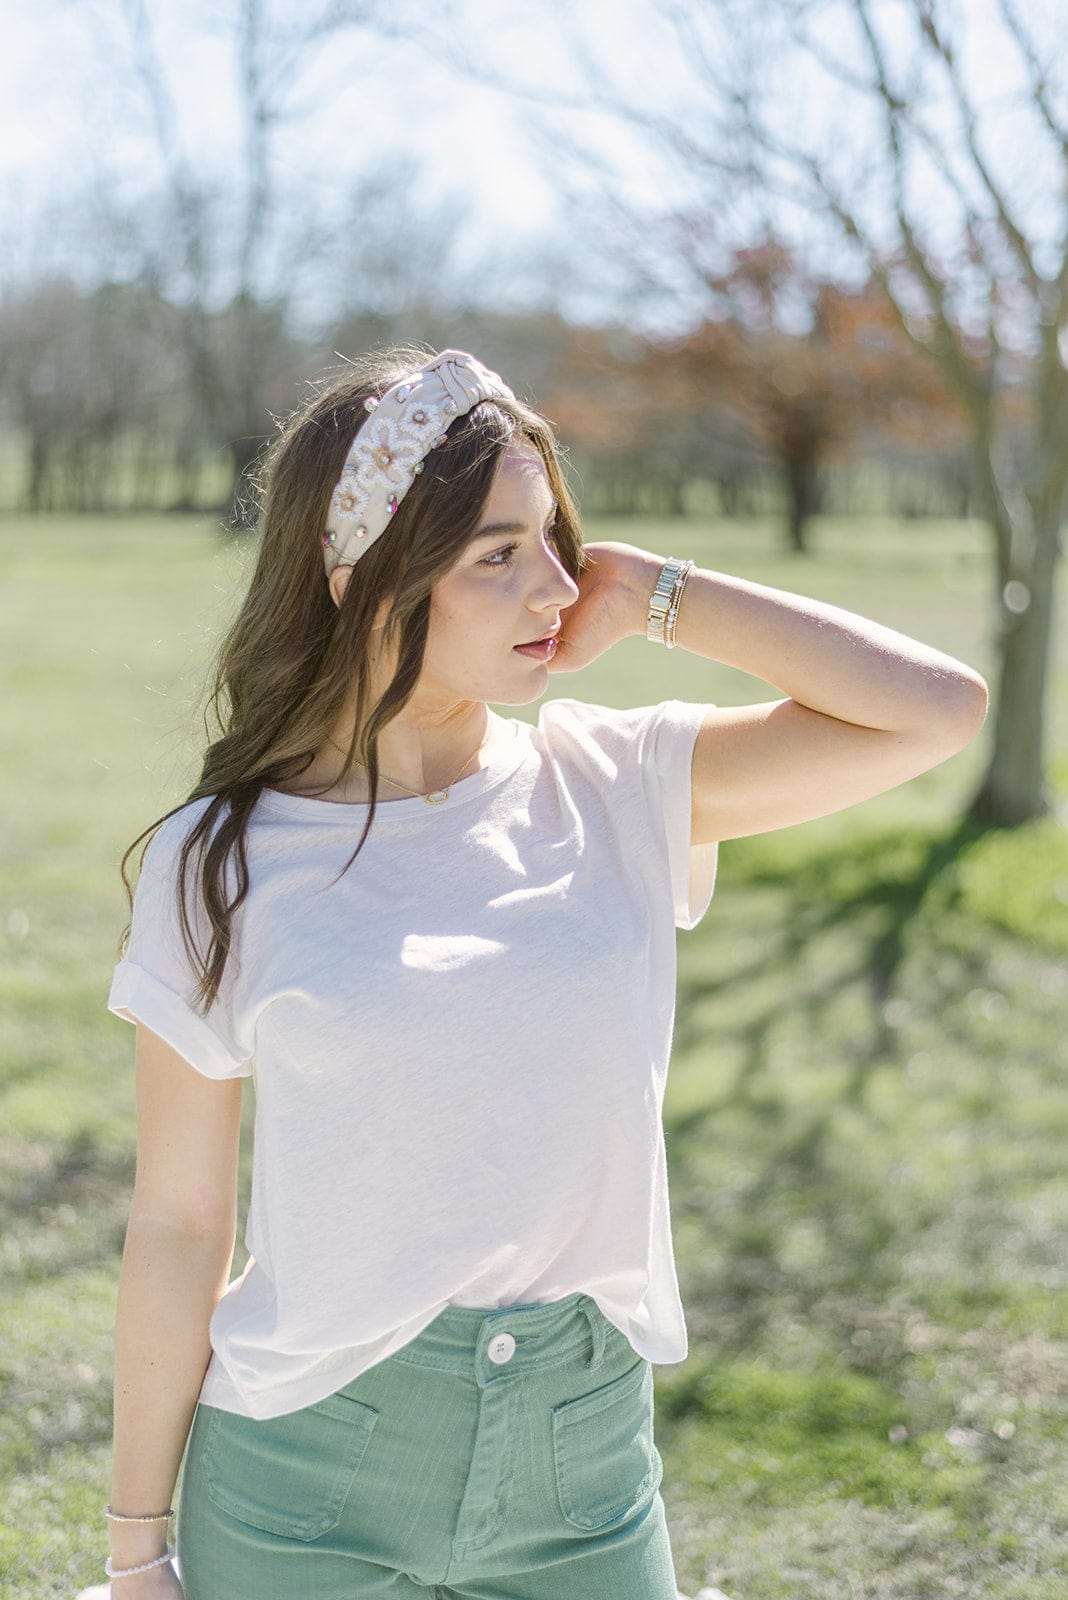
<point x="598" y="1331"/>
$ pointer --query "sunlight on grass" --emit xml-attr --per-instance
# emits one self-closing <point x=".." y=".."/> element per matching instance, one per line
<point x="866" y="1117"/>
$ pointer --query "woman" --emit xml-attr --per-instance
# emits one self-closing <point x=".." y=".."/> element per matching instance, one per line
<point x="444" y="939"/>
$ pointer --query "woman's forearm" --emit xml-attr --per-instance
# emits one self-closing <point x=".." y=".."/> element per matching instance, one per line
<point x="822" y="656"/>
<point x="170" y="1283"/>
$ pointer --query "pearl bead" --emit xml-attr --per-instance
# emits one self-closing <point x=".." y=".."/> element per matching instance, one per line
<point x="371" y="403"/>
<point x="328" y="539"/>
<point x="403" y="392"/>
<point x="392" y="504"/>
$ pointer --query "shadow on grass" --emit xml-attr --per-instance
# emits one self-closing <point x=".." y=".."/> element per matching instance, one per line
<point x="63" y="1206"/>
<point x="849" y="920"/>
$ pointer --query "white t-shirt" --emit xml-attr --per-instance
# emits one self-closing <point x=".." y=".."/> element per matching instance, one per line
<point x="459" y="1047"/>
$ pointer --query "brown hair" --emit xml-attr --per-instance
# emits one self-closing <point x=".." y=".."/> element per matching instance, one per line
<point x="291" y="658"/>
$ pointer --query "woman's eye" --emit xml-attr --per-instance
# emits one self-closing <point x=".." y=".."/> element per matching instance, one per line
<point x="499" y="558"/>
<point x="503" y="558"/>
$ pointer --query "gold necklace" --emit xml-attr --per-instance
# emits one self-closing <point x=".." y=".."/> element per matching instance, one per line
<point x="436" y="796"/>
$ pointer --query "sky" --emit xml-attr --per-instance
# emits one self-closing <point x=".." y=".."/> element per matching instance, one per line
<point x="74" y="117"/>
<point x="75" y="120"/>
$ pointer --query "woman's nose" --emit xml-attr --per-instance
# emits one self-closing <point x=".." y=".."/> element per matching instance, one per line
<point x="556" y="586"/>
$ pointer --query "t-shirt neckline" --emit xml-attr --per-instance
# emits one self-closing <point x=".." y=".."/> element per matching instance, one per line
<point x="309" y="808"/>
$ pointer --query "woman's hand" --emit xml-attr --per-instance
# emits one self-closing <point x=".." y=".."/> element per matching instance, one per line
<point x="613" y="603"/>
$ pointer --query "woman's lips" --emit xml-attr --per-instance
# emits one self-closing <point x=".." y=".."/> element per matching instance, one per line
<point x="543" y="651"/>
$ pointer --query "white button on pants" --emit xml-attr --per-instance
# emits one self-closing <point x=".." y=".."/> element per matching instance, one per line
<point x="501" y="1348"/>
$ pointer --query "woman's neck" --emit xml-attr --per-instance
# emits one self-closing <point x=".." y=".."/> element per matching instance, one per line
<point x="415" y="755"/>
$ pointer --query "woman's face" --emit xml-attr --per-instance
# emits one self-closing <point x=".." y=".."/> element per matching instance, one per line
<point x="507" y="589"/>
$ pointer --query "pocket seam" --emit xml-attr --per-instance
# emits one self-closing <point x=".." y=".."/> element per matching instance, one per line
<point x="575" y="1411"/>
<point x="290" y="1525"/>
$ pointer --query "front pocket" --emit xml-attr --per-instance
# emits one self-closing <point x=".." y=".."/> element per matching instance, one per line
<point x="289" y="1475"/>
<point x="606" y="1461"/>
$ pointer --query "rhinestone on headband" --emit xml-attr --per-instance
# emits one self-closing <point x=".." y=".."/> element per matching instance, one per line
<point x="388" y="450"/>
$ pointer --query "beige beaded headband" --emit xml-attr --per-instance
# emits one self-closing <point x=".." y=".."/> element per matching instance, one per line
<point x="386" y="456"/>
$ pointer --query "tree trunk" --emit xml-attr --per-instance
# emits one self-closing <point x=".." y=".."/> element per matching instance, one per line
<point x="38" y="471"/>
<point x="1014" y="789"/>
<point x="802" y="485"/>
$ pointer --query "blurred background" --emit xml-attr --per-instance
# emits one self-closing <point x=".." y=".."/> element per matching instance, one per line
<point x="791" y="279"/>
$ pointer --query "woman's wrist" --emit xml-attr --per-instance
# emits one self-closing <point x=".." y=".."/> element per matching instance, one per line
<point x="129" y="1547"/>
<point x="133" y="1541"/>
<point x="636" y="572"/>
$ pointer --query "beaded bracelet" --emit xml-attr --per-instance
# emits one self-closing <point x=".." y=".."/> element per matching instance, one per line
<point x="158" y="1516"/>
<point x="128" y="1572"/>
<point x="673" y="609"/>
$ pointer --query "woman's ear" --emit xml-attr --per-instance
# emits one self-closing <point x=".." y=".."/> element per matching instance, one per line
<point x="338" y="582"/>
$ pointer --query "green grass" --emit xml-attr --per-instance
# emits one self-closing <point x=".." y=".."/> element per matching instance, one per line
<point x="866" y="1114"/>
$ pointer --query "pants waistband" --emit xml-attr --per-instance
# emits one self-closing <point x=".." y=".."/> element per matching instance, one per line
<point x="494" y="1344"/>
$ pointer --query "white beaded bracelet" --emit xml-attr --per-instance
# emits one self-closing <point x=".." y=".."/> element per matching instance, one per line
<point x="128" y="1572"/>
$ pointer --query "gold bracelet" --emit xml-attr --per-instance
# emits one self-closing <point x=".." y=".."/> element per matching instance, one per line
<point x="664" y="601"/>
<point x="676" y="601"/>
<point x="159" y="1516"/>
<point x="660" y="600"/>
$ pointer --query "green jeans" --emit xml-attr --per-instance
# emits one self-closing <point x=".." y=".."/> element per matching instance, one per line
<point x="500" y="1455"/>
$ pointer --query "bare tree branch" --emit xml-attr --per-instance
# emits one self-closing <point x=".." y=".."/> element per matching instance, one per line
<point x="933" y="282"/>
<point x="940" y="44"/>
<point x="1037" y="80"/>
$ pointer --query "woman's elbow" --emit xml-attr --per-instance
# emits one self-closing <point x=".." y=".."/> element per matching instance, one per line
<point x="957" y="707"/>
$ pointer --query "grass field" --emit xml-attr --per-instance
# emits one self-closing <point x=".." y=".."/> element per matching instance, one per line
<point x="866" y="1116"/>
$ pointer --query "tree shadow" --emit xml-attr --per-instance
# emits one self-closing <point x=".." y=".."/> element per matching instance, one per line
<point x="864" y="899"/>
<point x="63" y="1204"/>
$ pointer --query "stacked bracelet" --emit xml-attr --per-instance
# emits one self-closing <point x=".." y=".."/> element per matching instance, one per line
<point x="664" y="601"/>
<point x="147" y="1566"/>
<point x="157" y="1516"/>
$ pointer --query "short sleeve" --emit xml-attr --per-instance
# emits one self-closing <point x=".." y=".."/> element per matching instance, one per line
<point x="154" y="982"/>
<point x="673" y="735"/>
<point x="643" y="757"/>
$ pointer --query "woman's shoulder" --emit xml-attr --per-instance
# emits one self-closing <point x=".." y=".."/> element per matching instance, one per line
<point x="586" y="720"/>
<point x="165" y="846"/>
<point x="643" y="738"/>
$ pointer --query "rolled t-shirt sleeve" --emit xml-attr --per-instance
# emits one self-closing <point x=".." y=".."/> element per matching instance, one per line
<point x="642" y="756"/>
<point x="154" y="983"/>
<point x="672" y="737"/>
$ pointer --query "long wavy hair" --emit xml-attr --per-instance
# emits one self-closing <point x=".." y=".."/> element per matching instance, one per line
<point x="292" y="658"/>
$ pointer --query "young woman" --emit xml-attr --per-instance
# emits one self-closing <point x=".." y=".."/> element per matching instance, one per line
<point x="442" y="941"/>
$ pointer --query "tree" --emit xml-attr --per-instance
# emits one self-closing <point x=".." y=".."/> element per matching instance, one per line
<point x="235" y="256"/>
<point x="986" y="304"/>
<point x="862" y="126"/>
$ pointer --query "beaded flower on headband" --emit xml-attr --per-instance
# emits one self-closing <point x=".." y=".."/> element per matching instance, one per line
<point x="386" y="456"/>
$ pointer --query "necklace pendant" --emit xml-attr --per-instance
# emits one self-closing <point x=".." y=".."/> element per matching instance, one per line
<point x="437" y="797"/>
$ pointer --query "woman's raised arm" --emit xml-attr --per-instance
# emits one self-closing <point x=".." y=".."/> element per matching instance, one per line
<point x="869" y="707"/>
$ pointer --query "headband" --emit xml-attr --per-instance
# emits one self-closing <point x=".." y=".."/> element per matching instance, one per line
<point x="385" y="457"/>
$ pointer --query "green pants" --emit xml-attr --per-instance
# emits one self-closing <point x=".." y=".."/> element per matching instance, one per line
<point x="501" y="1455"/>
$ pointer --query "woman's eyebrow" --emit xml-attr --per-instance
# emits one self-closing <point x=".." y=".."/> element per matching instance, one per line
<point x="494" y="528"/>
